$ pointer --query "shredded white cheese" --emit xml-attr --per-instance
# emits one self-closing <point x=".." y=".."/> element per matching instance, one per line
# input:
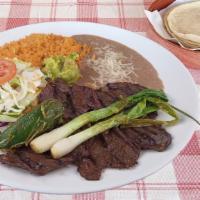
<point x="111" y="66"/>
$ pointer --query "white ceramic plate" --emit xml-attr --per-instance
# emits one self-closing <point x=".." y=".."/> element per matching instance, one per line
<point x="179" y="86"/>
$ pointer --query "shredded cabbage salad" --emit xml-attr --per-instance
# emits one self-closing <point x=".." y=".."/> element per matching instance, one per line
<point x="19" y="92"/>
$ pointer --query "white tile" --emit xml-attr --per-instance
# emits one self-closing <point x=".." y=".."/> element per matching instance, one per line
<point x="68" y="11"/>
<point x="108" y="11"/>
<point x="136" y="11"/>
<point x="134" y="1"/>
<point x="162" y="195"/>
<point x="121" y="195"/>
<point x="15" y="195"/>
<point x="21" y="195"/>
<point x="41" y="2"/>
<point x="124" y="1"/>
<point x="66" y="2"/>
<point x="107" y="1"/>
<point x="4" y="12"/>
<point x="55" y="197"/>
<point x="40" y="11"/>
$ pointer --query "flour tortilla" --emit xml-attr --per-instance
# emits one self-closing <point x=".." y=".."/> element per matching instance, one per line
<point x="183" y="23"/>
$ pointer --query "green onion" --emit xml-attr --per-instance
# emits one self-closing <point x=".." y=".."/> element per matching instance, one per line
<point x="127" y="118"/>
<point x="186" y="114"/>
<point x="45" y="142"/>
<point x="7" y="118"/>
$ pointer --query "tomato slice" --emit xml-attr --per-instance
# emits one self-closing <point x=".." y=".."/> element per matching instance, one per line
<point x="7" y="70"/>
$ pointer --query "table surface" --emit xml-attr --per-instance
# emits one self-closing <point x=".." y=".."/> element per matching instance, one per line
<point x="180" y="179"/>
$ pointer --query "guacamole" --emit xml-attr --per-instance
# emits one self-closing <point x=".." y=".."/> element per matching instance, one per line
<point x="64" y="67"/>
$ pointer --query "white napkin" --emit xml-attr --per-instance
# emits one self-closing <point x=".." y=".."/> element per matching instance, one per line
<point x="155" y="18"/>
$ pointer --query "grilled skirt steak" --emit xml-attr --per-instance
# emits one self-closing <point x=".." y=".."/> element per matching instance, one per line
<point x="116" y="148"/>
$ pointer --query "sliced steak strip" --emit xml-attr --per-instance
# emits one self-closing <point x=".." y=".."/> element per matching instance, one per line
<point x="35" y="163"/>
<point x="84" y="99"/>
<point x="59" y="90"/>
<point x="89" y="170"/>
<point x="123" y="153"/>
<point x="76" y="99"/>
<point x="123" y="89"/>
<point x="47" y="93"/>
<point x="153" y="137"/>
<point x="114" y="91"/>
<point x="99" y="152"/>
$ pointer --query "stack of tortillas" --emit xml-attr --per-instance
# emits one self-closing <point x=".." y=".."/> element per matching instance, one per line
<point x="183" y="23"/>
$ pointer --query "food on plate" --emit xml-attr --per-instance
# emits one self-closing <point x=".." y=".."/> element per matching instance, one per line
<point x="116" y="148"/>
<point x="41" y="119"/>
<point x="119" y="149"/>
<point x="46" y="141"/>
<point x="7" y="70"/>
<point x="110" y="62"/>
<point x="182" y="22"/>
<point x="19" y="88"/>
<point x="88" y="103"/>
<point x="130" y="117"/>
<point x="64" y="67"/>
<point x="20" y="82"/>
<point x="35" y="47"/>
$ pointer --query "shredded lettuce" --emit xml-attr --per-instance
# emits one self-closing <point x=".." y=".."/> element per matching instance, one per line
<point x="19" y="92"/>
